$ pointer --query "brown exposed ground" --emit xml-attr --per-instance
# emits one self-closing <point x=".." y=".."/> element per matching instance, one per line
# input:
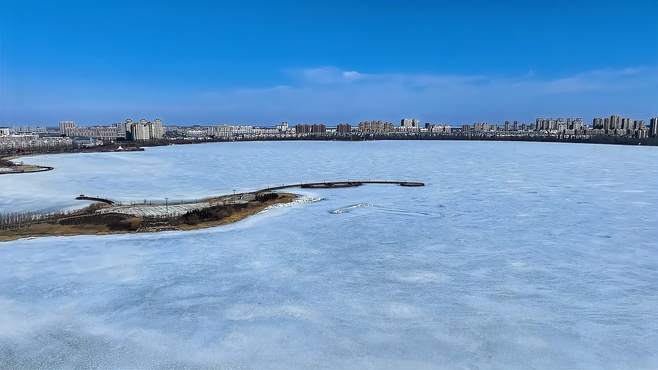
<point x="90" y="222"/>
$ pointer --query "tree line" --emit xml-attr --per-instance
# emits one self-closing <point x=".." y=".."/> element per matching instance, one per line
<point x="17" y="220"/>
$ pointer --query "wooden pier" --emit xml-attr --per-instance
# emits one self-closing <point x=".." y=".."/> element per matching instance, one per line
<point x="342" y="184"/>
<point x="95" y="199"/>
<point x="303" y="185"/>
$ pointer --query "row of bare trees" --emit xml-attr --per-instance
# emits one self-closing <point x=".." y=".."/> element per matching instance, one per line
<point x="18" y="220"/>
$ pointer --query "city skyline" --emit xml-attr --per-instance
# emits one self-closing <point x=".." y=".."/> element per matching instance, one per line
<point x="69" y="136"/>
<point x="586" y="121"/>
<point x="216" y="62"/>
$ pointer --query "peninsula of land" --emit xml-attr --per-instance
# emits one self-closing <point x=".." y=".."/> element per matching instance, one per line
<point x="107" y="216"/>
<point x="7" y="166"/>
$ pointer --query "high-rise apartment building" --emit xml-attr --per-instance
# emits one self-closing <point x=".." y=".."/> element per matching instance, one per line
<point x="615" y="122"/>
<point x="653" y="127"/>
<point x="344" y="128"/>
<point x="558" y="124"/>
<point x="144" y="130"/>
<point x="409" y="124"/>
<point x="310" y="129"/>
<point x="597" y="123"/>
<point x="375" y="126"/>
<point x="66" y="127"/>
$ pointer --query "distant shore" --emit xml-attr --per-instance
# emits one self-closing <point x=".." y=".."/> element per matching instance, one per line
<point x="599" y="139"/>
<point x="8" y="167"/>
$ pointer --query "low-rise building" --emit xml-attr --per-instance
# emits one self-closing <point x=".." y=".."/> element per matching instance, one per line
<point x="30" y="130"/>
<point x="112" y="132"/>
<point x="86" y="141"/>
<point x="439" y="129"/>
<point x="33" y="141"/>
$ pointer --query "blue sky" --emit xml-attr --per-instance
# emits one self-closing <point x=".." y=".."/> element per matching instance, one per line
<point x="325" y="61"/>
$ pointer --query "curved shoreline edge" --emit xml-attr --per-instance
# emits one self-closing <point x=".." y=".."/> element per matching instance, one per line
<point x="31" y="169"/>
<point x="107" y="216"/>
<point x="8" y="167"/>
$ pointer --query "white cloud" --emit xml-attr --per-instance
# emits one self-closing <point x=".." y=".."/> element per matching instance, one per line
<point x="325" y="75"/>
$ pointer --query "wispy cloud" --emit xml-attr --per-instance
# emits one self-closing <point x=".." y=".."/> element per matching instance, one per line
<point x="333" y="94"/>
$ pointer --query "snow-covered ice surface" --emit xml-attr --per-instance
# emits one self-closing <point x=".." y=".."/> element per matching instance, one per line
<point x="514" y="256"/>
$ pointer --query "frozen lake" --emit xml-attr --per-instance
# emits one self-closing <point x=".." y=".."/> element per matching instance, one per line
<point x="514" y="256"/>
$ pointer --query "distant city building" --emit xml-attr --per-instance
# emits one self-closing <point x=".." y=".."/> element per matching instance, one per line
<point x="409" y="124"/>
<point x="227" y="131"/>
<point x="616" y="125"/>
<point x="438" y="128"/>
<point x="558" y="124"/>
<point x="344" y="128"/>
<point x="144" y="130"/>
<point x="653" y="127"/>
<point x="66" y="127"/>
<point x="302" y="129"/>
<point x="615" y="122"/>
<point x="30" y="130"/>
<point x="86" y="141"/>
<point x="109" y="133"/>
<point x="33" y="141"/>
<point x="376" y="126"/>
<point x="484" y="127"/>
<point x="597" y="123"/>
